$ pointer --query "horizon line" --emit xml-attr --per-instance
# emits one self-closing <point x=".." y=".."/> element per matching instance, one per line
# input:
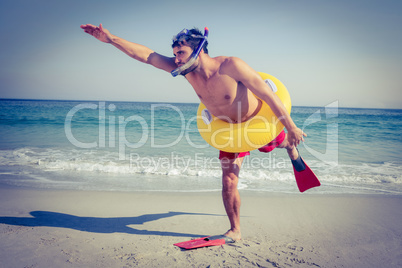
<point x="66" y="100"/>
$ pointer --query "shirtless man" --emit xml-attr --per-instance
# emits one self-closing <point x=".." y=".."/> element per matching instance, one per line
<point x="224" y="85"/>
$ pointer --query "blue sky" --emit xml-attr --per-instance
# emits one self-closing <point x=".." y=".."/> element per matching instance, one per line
<point x="323" y="51"/>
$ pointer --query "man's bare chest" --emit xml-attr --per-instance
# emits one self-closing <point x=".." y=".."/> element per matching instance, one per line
<point x="218" y="90"/>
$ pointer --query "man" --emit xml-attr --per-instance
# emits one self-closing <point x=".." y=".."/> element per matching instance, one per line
<point x="225" y="85"/>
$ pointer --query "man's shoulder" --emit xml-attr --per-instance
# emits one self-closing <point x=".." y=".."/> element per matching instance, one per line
<point x="227" y="59"/>
<point x="229" y="64"/>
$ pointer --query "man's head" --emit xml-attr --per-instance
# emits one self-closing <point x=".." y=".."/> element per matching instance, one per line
<point x="191" y="38"/>
<point x="187" y="45"/>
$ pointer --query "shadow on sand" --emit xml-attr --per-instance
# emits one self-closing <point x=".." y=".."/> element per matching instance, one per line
<point x="95" y="224"/>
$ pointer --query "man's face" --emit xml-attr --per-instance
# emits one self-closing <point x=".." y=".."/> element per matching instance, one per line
<point x="182" y="54"/>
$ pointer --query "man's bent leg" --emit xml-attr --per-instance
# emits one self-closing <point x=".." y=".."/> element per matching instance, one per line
<point x="292" y="151"/>
<point x="230" y="194"/>
<point x="281" y="141"/>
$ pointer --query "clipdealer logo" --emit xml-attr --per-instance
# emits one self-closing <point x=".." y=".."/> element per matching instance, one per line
<point x="112" y="129"/>
<point x="117" y="135"/>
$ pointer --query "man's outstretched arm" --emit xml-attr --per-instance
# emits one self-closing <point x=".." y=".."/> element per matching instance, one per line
<point x="136" y="51"/>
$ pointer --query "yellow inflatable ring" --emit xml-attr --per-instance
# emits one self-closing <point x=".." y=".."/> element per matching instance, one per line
<point x="249" y="135"/>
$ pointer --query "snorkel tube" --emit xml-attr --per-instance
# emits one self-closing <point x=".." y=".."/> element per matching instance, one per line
<point x="194" y="56"/>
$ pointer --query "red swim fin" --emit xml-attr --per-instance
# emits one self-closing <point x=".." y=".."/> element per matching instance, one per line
<point x="305" y="177"/>
<point x="205" y="242"/>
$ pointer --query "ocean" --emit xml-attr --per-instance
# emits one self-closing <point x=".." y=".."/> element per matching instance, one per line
<point x="139" y="146"/>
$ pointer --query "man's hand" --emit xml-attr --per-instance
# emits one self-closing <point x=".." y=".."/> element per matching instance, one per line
<point x="295" y="136"/>
<point x="98" y="32"/>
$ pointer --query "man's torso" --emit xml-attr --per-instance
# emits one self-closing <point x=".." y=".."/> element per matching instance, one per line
<point x="223" y="96"/>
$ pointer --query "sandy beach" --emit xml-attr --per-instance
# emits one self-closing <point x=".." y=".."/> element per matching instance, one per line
<point x="48" y="228"/>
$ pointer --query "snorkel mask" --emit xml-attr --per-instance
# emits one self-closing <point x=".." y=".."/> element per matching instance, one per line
<point x="181" y="37"/>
